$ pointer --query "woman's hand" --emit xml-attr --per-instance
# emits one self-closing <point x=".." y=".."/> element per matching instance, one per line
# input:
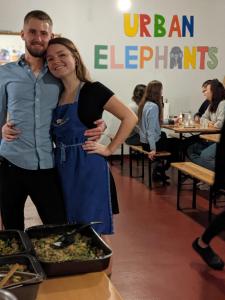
<point x="211" y="124"/>
<point x="152" y="154"/>
<point x="10" y="132"/>
<point x="94" y="147"/>
<point x="197" y="119"/>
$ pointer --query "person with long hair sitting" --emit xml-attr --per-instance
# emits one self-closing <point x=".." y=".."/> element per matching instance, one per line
<point x="134" y="137"/>
<point x="152" y="138"/>
<point x="203" y="153"/>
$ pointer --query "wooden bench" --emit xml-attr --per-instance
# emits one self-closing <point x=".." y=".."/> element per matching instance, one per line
<point x="161" y="155"/>
<point x="196" y="173"/>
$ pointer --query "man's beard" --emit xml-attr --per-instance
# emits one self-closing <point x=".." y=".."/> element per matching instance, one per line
<point x="34" y="52"/>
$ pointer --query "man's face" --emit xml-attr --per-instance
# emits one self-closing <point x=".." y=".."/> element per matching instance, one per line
<point x="36" y="34"/>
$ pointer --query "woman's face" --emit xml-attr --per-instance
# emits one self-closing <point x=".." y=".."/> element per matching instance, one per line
<point x="60" y="60"/>
<point x="207" y="92"/>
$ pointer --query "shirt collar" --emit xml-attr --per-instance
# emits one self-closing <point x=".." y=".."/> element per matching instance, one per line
<point x="21" y="61"/>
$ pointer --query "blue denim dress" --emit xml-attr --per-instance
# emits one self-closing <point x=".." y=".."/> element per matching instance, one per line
<point x="84" y="177"/>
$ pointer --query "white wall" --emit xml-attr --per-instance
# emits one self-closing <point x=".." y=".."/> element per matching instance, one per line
<point x="90" y="22"/>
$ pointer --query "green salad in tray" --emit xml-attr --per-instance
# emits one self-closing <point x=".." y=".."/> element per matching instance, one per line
<point x="10" y="246"/>
<point x="80" y="249"/>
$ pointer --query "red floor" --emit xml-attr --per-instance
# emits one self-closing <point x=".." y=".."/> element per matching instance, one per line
<point x="153" y="257"/>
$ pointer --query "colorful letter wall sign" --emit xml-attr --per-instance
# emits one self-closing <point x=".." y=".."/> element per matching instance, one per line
<point x="150" y="56"/>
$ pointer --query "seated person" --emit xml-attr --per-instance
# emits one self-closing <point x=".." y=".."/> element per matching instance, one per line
<point x="204" y="105"/>
<point x="194" y="138"/>
<point x="202" y="244"/>
<point x="150" y="116"/>
<point x="134" y="138"/>
<point x="201" y="109"/>
<point x="215" y="112"/>
<point x="203" y="153"/>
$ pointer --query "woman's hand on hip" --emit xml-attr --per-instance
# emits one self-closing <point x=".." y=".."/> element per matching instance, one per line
<point x="94" y="147"/>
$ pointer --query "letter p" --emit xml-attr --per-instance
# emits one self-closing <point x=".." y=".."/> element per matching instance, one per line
<point x="146" y="54"/>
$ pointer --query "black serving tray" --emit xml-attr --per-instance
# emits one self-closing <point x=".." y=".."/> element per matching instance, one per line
<point x="73" y="266"/>
<point x="26" y="291"/>
<point x="21" y="237"/>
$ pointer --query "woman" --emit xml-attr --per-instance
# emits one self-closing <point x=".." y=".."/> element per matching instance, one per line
<point x="137" y="96"/>
<point x="215" y="113"/>
<point x="204" y="105"/>
<point x="134" y="138"/>
<point x="203" y="153"/>
<point x="83" y="170"/>
<point x="150" y="118"/>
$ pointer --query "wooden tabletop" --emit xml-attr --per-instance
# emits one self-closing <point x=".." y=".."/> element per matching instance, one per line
<point x="91" y="286"/>
<point x="211" y="137"/>
<point x="197" y="129"/>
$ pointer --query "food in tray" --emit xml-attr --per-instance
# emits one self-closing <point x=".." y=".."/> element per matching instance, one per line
<point x="14" y="279"/>
<point x="7" y="267"/>
<point x="10" y="246"/>
<point x="81" y="249"/>
<point x="17" y="278"/>
<point x="8" y="275"/>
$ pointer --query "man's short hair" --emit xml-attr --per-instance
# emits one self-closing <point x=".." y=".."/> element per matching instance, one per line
<point x="38" y="14"/>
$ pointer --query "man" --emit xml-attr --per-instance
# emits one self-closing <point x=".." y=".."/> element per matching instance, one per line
<point x="28" y="96"/>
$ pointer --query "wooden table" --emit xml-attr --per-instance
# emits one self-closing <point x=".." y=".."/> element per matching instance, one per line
<point x="197" y="129"/>
<point x="192" y="130"/>
<point x="91" y="286"/>
<point x="211" y="137"/>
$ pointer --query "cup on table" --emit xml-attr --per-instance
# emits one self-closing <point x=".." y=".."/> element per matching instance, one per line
<point x="204" y="123"/>
<point x="180" y="119"/>
<point x="187" y="119"/>
<point x="192" y="123"/>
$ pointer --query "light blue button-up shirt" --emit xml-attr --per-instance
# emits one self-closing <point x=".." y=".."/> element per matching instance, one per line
<point x="150" y="130"/>
<point x="29" y="102"/>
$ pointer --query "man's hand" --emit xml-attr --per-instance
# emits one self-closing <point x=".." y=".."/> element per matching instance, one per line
<point x="10" y="132"/>
<point x="93" y="147"/>
<point x="94" y="134"/>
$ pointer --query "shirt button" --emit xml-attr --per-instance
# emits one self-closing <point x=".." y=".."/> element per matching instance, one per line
<point x="37" y="99"/>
